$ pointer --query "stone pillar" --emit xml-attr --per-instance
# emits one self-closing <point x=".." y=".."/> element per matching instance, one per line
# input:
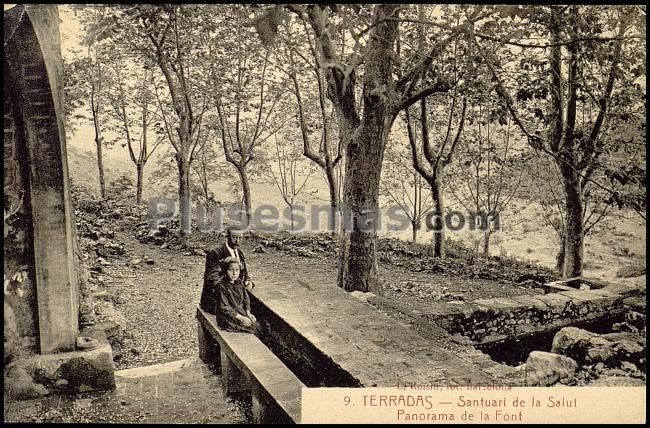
<point x="209" y="350"/>
<point x="234" y="381"/>
<point x="33" y="58"/>
<point x="264" y="408"/>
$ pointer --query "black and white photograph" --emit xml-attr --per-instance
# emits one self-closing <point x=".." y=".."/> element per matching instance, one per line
<point x="324" y="213"/>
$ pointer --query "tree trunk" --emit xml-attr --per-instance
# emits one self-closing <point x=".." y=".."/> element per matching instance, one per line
<point x="184" y="196"/>
<point x="332" y="184"/>
<point x="574" y="226"/>
<point x="142" y="156"/>
<point x="246" y="190"/>
<point x="559" y="258"/>
<point x="291" y="211"/>
<point x="206" y="193"/>
<point x="335" y="203"/>
<point x="100" y="159"/>
<point x="358" y="251"/>
<point x="366" y="141"/>
<point x="486" y="242"/>
<point x="438" y="224"/>
<point x="138" y="185"/>
<point x="415" y="225"/>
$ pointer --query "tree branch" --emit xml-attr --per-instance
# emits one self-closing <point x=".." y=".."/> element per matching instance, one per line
<point x="438" y="86"/>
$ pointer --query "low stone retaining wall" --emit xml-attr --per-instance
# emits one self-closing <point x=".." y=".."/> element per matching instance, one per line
<point x="490" y="320"/>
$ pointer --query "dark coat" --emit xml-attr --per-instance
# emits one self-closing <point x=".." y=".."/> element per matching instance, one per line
<point x="232" y="300"/>
<point x="214" y="270"/>
<point x="210" y="293"/>
<point x="214" y="262"/>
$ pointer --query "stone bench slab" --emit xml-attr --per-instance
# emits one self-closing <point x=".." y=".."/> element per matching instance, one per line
<point x="276" y="390"/>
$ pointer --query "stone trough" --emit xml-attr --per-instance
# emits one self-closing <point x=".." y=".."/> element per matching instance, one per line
<point x="485" y="321"/>
<point x="523" y="329"/>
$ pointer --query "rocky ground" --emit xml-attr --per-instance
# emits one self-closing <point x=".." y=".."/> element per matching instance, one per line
<point x="583" y="358"/>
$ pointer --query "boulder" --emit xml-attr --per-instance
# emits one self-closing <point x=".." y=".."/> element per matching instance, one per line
<point x="627" y="347"/>
<point x="600" y="352"/>
<point x="546" y="368"/>
<point x="20" y="386"/>
<point x="591" y="348"/>
<point x="361" y="295"/>
<point x="572" y="342"/>
<point x="72" y="372"/>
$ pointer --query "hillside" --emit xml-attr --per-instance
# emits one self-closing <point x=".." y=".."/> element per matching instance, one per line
<point x="617" y="246"/>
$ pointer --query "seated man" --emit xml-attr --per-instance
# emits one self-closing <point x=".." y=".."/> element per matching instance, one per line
<point x="215" y="267"/>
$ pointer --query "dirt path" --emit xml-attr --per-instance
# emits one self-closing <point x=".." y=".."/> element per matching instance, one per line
<point x="159" y="300"/>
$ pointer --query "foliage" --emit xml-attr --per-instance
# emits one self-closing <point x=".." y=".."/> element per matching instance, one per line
<point x="341" y="74"/>
<point x="566" y="93"/>
<point x="121" y="187"/>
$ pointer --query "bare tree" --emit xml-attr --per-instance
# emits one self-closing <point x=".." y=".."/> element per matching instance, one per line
<point x="130" y="98"/>
<point x="488" y="172"/>
<point x="430" y="160"/>
<point x="291" y="176"/>
<point x="406" y="188"/>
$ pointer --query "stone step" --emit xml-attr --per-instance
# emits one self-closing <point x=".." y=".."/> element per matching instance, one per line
<point x="184" y="391"/>
<point x="159" y="369"/>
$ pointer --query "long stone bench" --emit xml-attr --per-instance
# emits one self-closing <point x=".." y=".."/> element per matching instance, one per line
<point x="248" y="366"/>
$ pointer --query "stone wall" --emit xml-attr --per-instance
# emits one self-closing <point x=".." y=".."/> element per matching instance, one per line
<point x="488" y="320"/>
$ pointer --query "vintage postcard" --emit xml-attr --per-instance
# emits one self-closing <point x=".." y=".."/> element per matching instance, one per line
<point x="324" y="213"/>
